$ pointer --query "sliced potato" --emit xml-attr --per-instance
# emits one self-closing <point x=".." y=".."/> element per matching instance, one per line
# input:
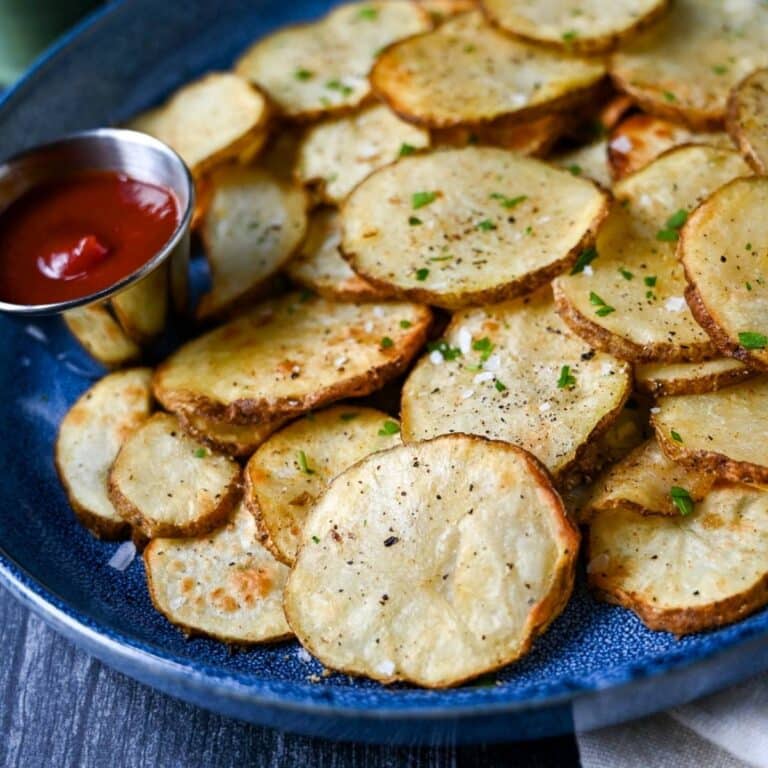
<point x="90" y="437"/>
<point x="684" y="66"/>
<point x="253" y="225"/>
<point x="288" y="473"/>
<point x="630" y="300"/>
<point x="209" y="120"/>
<point x="514" y="372"/>
<point x="465" y="72"/>
<point x="322" y="67"/>
<point x="748" y="119"/>
<point x="290" y="355"/>
<point x="724" y="251"/>
<point x="641" y="138"/>
<point x="685" y="574"/>
<point x="225" y="585"/>
<point x="659" y="379"/>
<point x="167" y="484"/>
<point x="101" y="335"/>
<point x="233" y="439"/>
<point x="142" y="309"/>
<point x="440" y="10"/>
<point x="337" y="154"/>
<point x="721" y="432"/>
<point x="432" y="563"/>
<point x="589" y="161"/>
<point x="320" y="267"/>
<point x="468" y="226"/>
<point x="597" y="27"/>
<point x="642" y="482"/>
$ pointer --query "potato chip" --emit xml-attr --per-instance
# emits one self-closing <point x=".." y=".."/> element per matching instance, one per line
<point x="291" y="470"/>
<point x="687" y="573"/>
<point x="684" y="67"/>
<point x="465" y="72"/>
<point x="748" y="119"/>
<point x="167" y="484"/>
<point x="142" y="309"/>
<point x="321" y="68"/>
<point x="627" y="297"/>
<point x="440" y="10"/>
<point x="659" y="379"/>
<point x="90" y="436"/>
<point x="432" y="563"/>
<point x="337" y="154"/>
<point x="101" y="335"/>
<point x="514" y="372"/>
<point x="597" y="27"/>
<point x="320" y="267"/>
<point x="224" y="585"/>
<point x="290" y="355"/>
<point x="589" y="162"/>
<point x="717" y="432"/>
<point x="724" y="251"/>
<point x="233" y="439"/>
<point x="468" y="226"/>
<point x="209" y="120"/>
<point x="253" y="225"/>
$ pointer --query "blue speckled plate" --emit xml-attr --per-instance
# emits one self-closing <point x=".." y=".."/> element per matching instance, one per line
<point x="597" y="664"/>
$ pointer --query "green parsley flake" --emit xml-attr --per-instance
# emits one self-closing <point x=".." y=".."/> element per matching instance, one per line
<point x="315" y="539"/>
<point x="201" y="453"/>
<point x="650" y="295"/>
<point x="650" y="280"/>
<point x="753" y="340"/>
<point x="677" y="219"/>
<point x="625" y="273"/>
<point x="484" y="346"/>
<point x="587" y="256"/>
<point x="303" y="74"/>
<point x="603" y="309"/>
<point x="337" y="85"/>
<point x="720" y="69"/>
<point x="567" y="380"/>
<point x="575" y="169"/>
<point x="681" y="499"/>
<point x="420" y="199"/>
<point x="368" y="14"/>
<point x="508" y="202"/>
<point x="348" y="416"/>
<point x="667" y="235"/>
<point x="414" y="221"/>
<point x="748" y="246"/>
<point x="406" y="149"/>
<point x="405" y="323"/>
<point x="570" y="36"/>
<point x="445" y="349"/>
<point x="470" y="48"/>
<point x="748" y="285"/>
<point x="389" y="428"/>
<point x="669" y="96"/>
<point x="386" y="342"/>
<point x="675" y="436"/>
<point x="500" y="387"/>
<point x="422" y="274"/>
<point x="486" y="225"/>
<point x="304" y="464"/>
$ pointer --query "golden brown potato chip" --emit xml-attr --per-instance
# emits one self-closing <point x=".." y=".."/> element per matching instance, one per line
<point x="724" y="251"/>
<point x="432" y="563"/>
<point x="253" y="225"/>
<point x="721" y="432"/>
<point x="233" y="439"/>
<point x="465" y="72"/>
<point x="597" y="27"/>
<point x="291" y="470"/>
<point x="290" y="355"/>
<point x="514" y="372"/>
<point x="684" y="67"/>
<point x="659" y="379"/>
<point x="101" y="335"/>
<point x="337" y="154"/>
<point x="468" y="226"/>
<point x="748" y="119"/>
<point x="322" y="67"/>
<point x="142" y="309"/>
<point x="90" y="437"/>
<point x="209" y="120"/>
<point x="167" y="484"/>
<point x="224" y="584"/>
<point x="687" y="573"/>
<point x="629" y="298"/>
<point x="589" y="161"/>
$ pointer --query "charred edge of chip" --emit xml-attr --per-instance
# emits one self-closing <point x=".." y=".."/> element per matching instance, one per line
<point x="733" y="120"/>
<point x="700" y="385"/>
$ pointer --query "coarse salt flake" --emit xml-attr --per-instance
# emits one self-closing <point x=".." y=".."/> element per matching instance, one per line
<point x="177" y="602"/>
<point x="341" y="361"/>
<point x="588" y="271"/>
<point x="493" y="363"/>
<point x="622" y="144"/>
<point x="378" y="311"/>
<point x="675" y="304"/>
<point x="481" y="378"/>
<point x="465" y="341"/>
<point x="386" y="667"/>
<point x="303" y="656"/>
<point x="467" y="393"/>
<point x="544" y="407"/>
<point x="368" y="327"/>
<point x="123" y="556"/>
<point x="435" y="357"/>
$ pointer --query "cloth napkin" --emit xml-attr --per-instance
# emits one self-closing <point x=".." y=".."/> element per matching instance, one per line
<point x="726" y="730"/>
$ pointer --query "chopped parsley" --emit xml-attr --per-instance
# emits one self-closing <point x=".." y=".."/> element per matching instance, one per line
<point x="669" y="96"/>
<point x="304" y="464"/>
<point x="348" y="416"/>
<point x="567" y="380"/>
<point x="484" y="346"/>
<point x="337" y="85"/>
<point x="444" y="348"/>
<point x="201" y="453"/>
<point x="368" y="14"/>
<point x="508" y="202"/>
<point x="650" y="280"/>
<point x="681" y="499"/>
<point x="587" y="256"/>
<point x="529" y="230"/>
<point x="405" y="323"/>
<point x="500" y="387"/>
<point x="650" y="295"/>
<point x="677" y="219"/>
<point x="570" y="36"/>
<point x="625" y="273"/>
<point x="303" y="74"/>
<point x="389" y="428"/>
<point x="753" y="340"/>
<point x="748" y="285"/>
<point x="406" y="149"/>
<point x="315" y="539"/>
<point x="414" y="221"/>
<point x="603" y="309"/>
<point x="486" y="225"/>
<point x="470" y="48"/>
<point x="422" y="274"/>
<point x="719" y="69"/>
<point x="675" y="436"/>
<point x="575" y="169"/>
<point x="420" y="199"/>
<point x="386" y="342"/>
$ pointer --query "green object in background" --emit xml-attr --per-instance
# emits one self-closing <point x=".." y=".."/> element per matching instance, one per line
<point x="27" y="27"/>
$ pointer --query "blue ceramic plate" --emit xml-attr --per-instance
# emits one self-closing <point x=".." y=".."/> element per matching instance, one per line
<point x="597" y="664"/>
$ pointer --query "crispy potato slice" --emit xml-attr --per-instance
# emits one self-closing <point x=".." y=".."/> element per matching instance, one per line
<point x="659" y="379"/>
<point x="684" y="67"/>
<point x="320" y="267"/>
<point x="724" y="251"/>
<point x="641" y="482"/>
<point x="225" y="585"/>
<point x="209" y="120"/>
<point x="589" y="161"/>
<point x="290" y="355"/>
<point x="717" y="432"/>
<point x="640" y="139"/>
<point x="288" y="473"/>
<point x="747" y="119"/>
<point x="468" y="226"/>
<point x="440" y="10"/>
<point x="514" y="372"/>
<point x="90" y="436"/>
<point x="630" y="300"/>
<point x="685" y="574"/>
<point x="337" y="154"/>
<point x="432" y="563"/>
<point x="597" y="27"/>
<point x="319" y="68"/>
<point x="253" y="225"/>
<point x="465" y="72"/>
<point x="167" y="484"/>
<point x="101" y="335"/>
<point x="237" y="440"/>
<point x="142" y="309"/>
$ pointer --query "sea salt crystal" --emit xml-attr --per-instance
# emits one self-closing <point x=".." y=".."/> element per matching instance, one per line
<point x="435" y="357"/>
<point x="465" y="341"/>
<point x="493" y="363"/>
<point x="588" y="271"/>
<point x="544" y="407"/>
<point x="675" y="304"/>
<point x="378" y="311"/>
<point x="303" y="656"/>
<point x="622" y="144"/>
<point x="481" y="378"/>
<point x="177" y="602"/>
<point x="386" y="667"/>
<point x="467" y="393"/>
<point x="368" y="327"/>
<point x="123" y="556"/>
<point x="655" y="409"/>
<point x="339" y="362"/>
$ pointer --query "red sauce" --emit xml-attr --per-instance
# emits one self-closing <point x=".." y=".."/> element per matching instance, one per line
<point x="72" y="238"/>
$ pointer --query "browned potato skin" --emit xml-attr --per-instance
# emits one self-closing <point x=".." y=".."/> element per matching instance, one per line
<point x="698" y="386"/>
<point x="105" y="530"/>
<point x="212" y="434"/>
<point x="733" y="120"/>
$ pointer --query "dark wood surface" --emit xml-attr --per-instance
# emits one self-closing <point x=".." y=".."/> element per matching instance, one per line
<point x="59" y="707"/>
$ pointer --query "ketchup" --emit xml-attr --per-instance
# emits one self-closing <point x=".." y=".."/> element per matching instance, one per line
<point x="69" y="239"/>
